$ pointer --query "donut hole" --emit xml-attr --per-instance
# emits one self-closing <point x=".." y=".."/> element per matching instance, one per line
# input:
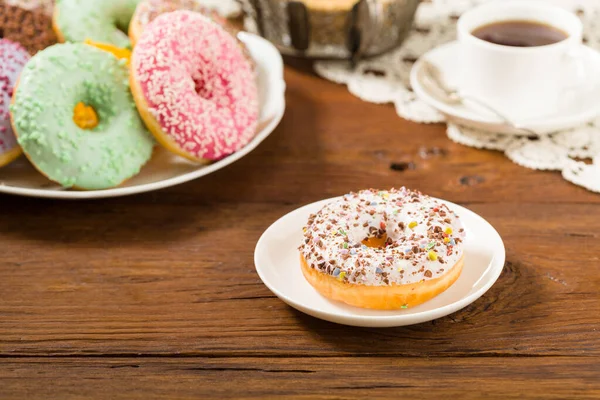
<point x="376" y="242"/>
<point x="122" y="25"/>
<point x="85" y="116"/>
<point x="94" y="105"/>
<point x="200" y="87"/>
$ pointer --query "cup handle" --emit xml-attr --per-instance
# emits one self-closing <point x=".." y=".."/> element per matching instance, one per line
<point x="578" y="65"/>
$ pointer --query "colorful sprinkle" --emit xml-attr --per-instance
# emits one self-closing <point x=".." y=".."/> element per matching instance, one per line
<point x="413" y="224"/>
<point x="378" y="270"/>
<point x="446" y="240"/>
<point x="404" y="306"/>
<point x="341" y="276"/>
<point x="448" y="231"/>
<point x="345" y="245"/>
<point x="430" y="246"/>
<point x="336" y="272"/>
<point x="432" y="255"/>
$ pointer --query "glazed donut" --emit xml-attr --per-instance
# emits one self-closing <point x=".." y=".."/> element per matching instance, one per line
<point x="31" y="27"/>
<point x="104" y="22"/>
<point x="383" y="249"/>
<point x="75" y="119"/>
<point x="193" y="87"/>
<point x="13" y="58"/>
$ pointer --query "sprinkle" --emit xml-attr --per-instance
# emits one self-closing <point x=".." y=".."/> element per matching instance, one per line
<point x="448" y="231"/>
<point x="430" y="246"/>
<point x="336" y="272"/>
<point x="341" y="276"/>
<point x="373" y="203"/>
<point x="345" y="245"/>
<point x="378" y="270"/>
<point x="404" y="306"/>
<point x="413" y="224"/>
<point x="396" y="212"/>
<point x="353" y="251"/>
<point x="343" y="232"/>
<point x="407" y="250"/>
<point x="447" y="240"/>
<point x="432" y="255"/>
<point x="452" y="242"/>
<point x="382" y="225"/>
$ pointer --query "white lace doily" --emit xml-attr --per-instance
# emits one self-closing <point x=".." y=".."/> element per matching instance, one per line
<point x="385" y="79"/>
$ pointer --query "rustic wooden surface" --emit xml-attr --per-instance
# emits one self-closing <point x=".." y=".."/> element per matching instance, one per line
<point x="156" y="295"/>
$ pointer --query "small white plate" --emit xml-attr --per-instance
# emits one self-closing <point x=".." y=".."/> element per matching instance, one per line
<point x="278" y="264"/>
<point x="577" y="108"/>
<point x="164" y="169"/>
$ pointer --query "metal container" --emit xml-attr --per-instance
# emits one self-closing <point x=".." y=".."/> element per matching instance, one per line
<point x="331" y="28"/>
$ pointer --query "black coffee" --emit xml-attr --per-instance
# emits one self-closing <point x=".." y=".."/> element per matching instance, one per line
<point x="519" y="33"/>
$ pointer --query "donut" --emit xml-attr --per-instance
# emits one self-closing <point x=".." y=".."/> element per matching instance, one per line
<point x="193" y="87"/>
<point x="13" y="58"/>
<point x="383" y="250"/>
<point x="32" y="28"/>
<point x="148" y="10"/>
<point x="75" y="119"/>
<point x="104" y="22"/>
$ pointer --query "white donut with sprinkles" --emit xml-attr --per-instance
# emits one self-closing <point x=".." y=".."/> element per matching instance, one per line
<point x="383" y="249"/>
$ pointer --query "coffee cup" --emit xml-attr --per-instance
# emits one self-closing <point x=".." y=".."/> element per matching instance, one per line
<point x="521" y="80"/>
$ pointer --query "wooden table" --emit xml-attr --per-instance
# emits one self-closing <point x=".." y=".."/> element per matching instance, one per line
<point x="156" y="295"/>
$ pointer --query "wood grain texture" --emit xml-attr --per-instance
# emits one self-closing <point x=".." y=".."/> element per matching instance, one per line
<point x="166" y="280"/>
<point x="303" y="378"/>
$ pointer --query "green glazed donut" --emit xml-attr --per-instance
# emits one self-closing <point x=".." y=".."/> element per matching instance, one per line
<point x="53" y="82"/>
<point x="105" y="21"/>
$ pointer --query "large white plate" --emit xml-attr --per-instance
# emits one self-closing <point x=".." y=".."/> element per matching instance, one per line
<point x="277" y="262"/>
<point x="165" y="170"/>
<point x="577" y="108"/>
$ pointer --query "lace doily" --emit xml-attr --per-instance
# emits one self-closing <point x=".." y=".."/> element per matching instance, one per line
<point x="385" y="79"/>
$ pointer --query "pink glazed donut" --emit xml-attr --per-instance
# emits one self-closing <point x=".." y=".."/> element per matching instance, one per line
<point x="13" y="58"/>
<point x="193" y="87"/>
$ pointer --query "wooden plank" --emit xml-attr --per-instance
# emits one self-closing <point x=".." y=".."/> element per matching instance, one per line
<point x="113" y="278"/>
<point x="301" y="378"/>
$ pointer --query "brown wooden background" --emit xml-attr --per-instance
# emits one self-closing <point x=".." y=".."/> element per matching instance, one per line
<point x="156" y="295"/>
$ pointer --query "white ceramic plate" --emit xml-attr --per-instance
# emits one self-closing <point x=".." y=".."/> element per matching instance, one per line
<point x="577" y="108"/>
<point x="165" y="170"/>
<point x="277" y="262"/>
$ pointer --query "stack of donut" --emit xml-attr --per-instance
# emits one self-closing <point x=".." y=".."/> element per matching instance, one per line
<point x="88" y="111"/>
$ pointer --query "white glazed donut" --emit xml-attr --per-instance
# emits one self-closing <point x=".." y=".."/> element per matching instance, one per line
<point x="383" y="249"/>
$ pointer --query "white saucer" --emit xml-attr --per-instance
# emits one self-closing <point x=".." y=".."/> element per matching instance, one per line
<point x="165" y="169"/>
<point x="576" y="110"/>
<point x="277" y="262"/>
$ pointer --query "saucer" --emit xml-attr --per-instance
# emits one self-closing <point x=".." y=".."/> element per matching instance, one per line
<point x="277" y="262"/>
<point x="576" y="109"/>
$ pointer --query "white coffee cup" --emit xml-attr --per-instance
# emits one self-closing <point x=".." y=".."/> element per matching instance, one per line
<point x="521" y="82"/>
